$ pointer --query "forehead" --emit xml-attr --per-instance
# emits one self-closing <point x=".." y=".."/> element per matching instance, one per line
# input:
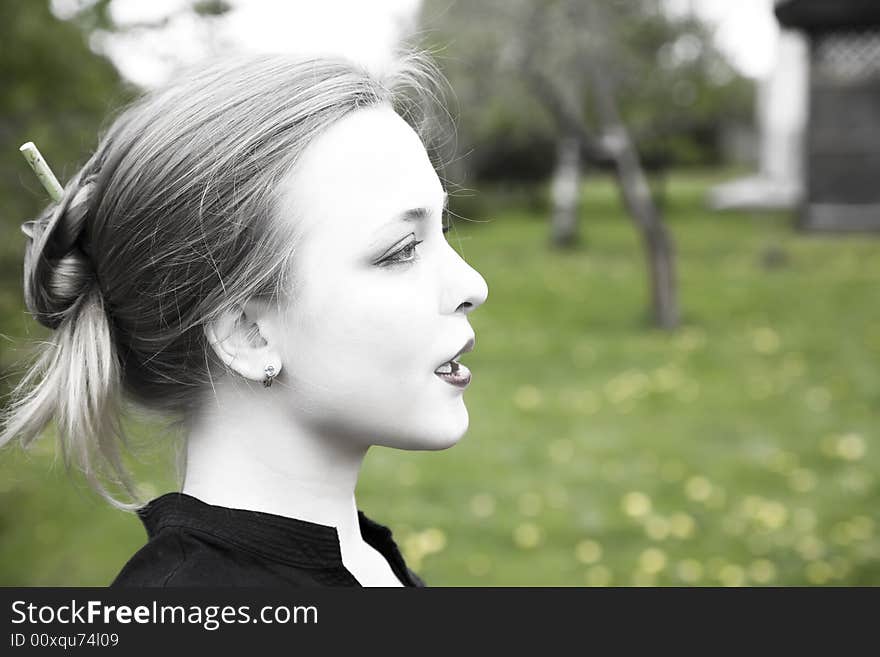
<point x="366" y="167"/>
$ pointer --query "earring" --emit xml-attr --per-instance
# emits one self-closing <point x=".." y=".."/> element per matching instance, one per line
<point x="271" y="373"/>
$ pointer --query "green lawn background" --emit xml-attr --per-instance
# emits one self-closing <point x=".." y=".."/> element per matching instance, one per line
<point x="740" y="450"/>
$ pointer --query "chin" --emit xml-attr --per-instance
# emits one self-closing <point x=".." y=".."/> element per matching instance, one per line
<point x="439" y="436"/>
<point x="437" y="443"/>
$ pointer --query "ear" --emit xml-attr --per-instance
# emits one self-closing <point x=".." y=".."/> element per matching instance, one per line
<point x="245" y="339"/>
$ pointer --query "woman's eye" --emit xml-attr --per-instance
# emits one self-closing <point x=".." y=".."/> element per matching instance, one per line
<point x="406" y="254"/>
<point x="409" y="249"/>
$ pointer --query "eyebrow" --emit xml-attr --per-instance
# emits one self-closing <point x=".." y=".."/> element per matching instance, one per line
<point x="416" y="214"/>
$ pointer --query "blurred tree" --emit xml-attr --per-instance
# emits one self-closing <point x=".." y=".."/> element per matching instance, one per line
<point x="95" y="15"/>
<point x="544" y="84"/>
<point x="675" y="89"/>
<point x="95" y="18"/>
<point x="631" y="176"/>
<point x="56" y="92"/>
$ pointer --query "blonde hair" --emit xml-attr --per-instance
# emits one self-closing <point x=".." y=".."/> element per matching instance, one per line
<point x="169" y="223"/>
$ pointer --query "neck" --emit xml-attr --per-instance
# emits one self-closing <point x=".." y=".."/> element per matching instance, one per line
<point x="247" y="453"/>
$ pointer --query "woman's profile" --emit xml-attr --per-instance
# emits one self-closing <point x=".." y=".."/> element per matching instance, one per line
<point x="256" y="251"/>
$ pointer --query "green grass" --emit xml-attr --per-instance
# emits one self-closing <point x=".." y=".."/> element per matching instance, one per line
<point x="741" y="449"/>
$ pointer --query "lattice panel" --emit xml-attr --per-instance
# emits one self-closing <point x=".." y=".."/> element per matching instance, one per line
<point x="847" y="56"/>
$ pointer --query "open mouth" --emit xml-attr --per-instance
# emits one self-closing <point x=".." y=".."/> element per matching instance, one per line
<point x="454" y="373"/>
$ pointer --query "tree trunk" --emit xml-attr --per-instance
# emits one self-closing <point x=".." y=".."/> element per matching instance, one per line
<point x="565" y="190"/>
<point x="659" y="249"/>
<point x="633" y="183"/>
<point x="636" y="193"/>
<point x="657" y="243"/>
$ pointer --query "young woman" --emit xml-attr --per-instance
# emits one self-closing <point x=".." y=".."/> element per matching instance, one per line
<point x="256" y="251"/>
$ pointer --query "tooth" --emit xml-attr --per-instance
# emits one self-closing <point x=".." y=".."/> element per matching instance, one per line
<point x="445" y="368"/>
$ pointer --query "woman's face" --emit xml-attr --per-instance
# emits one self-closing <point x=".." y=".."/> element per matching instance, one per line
<point x="381" y="297"/>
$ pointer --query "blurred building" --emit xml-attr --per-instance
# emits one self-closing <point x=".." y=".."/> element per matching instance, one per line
<point x="782" y="117"/>
<point x="842" y="145"/>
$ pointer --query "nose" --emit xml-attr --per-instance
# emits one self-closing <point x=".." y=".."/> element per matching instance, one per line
<point x="466" y="289"/>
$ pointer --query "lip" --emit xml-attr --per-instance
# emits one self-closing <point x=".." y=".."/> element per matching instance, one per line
<point x="468" y="346"/>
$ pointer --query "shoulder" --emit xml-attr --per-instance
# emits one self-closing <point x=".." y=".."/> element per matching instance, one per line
<point x="416" y="579"/>
<point x="186" y="557"/>
<point x="381" y="538"/>
<point x="155" y="563"/>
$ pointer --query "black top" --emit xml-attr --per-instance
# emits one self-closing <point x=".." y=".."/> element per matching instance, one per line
<point x="191" y="543"/>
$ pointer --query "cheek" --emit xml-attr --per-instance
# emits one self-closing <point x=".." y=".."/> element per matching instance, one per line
<point x="361" y="365"/>
<point x="355" y="329"/>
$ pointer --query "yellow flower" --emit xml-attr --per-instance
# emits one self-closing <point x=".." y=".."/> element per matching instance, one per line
<point x="657" y="527"/>
<point x="732" y="575"/>
<point x="689" y="571"/>
<point x="636" y="504"/>
<point x="765" y="340"/>
<point x="698" y="488"/>
<point x="681" y="525"/>
<point x="482" y="505"/>
<point x="599" y="575"/>
<point x="819" y="572"/>
<point x="588" y="551"/>
<point x="652" y="561"/>
<point x="527" y="535"/>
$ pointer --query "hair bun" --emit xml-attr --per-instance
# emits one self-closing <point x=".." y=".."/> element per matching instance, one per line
<point x="71" y="220"/>
<point x="57" y="272"/>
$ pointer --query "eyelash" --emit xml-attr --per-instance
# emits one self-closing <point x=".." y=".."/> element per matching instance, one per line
<point x="394" y="258"/>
